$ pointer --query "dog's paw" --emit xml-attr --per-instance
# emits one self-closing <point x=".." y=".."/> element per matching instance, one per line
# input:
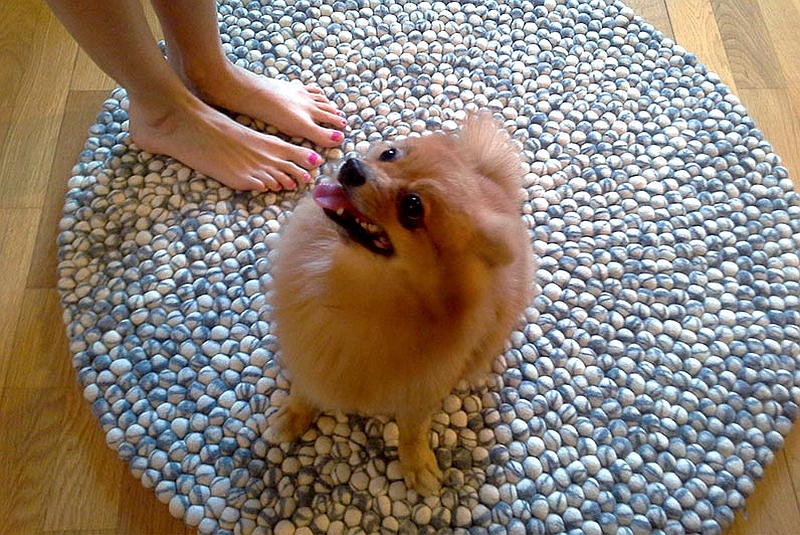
<point x="290" y="422"/>
<point x="421" y="472"/>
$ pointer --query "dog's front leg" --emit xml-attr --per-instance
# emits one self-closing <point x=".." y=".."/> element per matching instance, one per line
<point x="291" y="421"/>
<point x="417" y="461"/>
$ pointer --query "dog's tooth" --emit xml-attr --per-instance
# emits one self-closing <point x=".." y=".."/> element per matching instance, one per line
<point x="372" y="228"/>
<point x="340" y="211"/>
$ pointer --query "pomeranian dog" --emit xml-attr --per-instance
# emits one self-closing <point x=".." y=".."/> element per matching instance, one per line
<point x="401" y="279"/>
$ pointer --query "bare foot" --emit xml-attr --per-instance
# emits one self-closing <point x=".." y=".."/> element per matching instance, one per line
<point x="215" y="145"/>
<point x="294" y="109"/>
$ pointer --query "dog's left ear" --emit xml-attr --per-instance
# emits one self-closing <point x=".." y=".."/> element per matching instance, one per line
<point x="491" y="239"/>
<point x="484" y="143"/>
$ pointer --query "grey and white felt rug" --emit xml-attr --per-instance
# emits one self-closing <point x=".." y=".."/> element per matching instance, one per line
<point x="657" y="372"/>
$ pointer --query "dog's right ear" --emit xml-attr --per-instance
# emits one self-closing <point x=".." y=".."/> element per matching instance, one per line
<point x="484" y="143"/>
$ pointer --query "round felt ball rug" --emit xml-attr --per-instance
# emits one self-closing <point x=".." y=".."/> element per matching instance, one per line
<point x="655" y="374"/>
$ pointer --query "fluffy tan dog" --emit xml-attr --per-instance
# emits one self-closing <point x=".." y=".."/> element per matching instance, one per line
<point x="400" y="280"/>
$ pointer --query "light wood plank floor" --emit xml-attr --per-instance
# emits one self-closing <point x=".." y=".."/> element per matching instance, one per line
<point x="59" y="475"/>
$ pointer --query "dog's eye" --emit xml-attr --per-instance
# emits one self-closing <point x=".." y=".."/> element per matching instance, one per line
<point x="389" y="155"/>
<point x="411" y="211"/>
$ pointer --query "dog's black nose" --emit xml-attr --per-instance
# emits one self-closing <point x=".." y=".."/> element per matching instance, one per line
<point x="352" y="173"/>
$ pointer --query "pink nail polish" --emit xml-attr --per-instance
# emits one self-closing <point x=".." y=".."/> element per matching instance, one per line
<point x="337" y="136"/>
<point x="306" y="178"/>
<point x="314" y="158"/>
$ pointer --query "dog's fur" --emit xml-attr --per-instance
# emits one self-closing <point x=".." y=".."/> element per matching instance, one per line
<point x="393" y="330"/>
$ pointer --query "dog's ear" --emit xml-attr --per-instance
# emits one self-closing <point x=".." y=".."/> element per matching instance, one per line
<point x="484" y="143"/>
<point x="492" y="239"/>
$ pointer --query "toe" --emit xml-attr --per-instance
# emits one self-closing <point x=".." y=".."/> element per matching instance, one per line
<point x="330" y="115"/>
<point x="325" y="137"/>
<point x="262" y="183"/>
<point x="313" y="159"/>
<point x="282" y="180"/>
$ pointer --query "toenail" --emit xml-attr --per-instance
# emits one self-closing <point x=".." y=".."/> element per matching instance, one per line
<point x="337" y="136"/>
<point x="314" y="158"/>
<point x="306" y="178"/>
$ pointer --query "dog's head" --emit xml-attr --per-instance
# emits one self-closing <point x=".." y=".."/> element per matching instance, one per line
<point x="433" y="195"/>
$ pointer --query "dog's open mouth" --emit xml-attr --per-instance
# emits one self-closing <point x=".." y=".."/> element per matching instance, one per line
<point x="337" y="206"/>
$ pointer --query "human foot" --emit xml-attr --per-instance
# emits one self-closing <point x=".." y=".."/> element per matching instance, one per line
<point x="294" y="109"/>
<point x="219" y="147"/>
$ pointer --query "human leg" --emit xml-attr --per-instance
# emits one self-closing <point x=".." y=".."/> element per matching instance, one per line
<point x="164" y="116"/>
<point x="194" y="51"/>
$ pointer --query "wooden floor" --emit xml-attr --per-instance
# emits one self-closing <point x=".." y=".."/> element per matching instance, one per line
<point x="58" y="474"/>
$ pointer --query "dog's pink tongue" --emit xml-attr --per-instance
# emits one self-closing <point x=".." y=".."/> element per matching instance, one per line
<point x="332" y="197"/>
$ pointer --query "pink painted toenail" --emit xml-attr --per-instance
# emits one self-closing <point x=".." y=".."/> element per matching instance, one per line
<point x="337" y="136"/>
<point x="314" y="158"/>
<point x="306" y="178"/>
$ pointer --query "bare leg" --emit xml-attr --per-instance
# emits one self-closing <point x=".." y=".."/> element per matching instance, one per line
<point x="194" y="51"/>
<point x="167" y="118"/>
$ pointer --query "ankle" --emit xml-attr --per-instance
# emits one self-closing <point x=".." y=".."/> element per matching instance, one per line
<point x="159" y="114"/>
<point x="203" y="78"/>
